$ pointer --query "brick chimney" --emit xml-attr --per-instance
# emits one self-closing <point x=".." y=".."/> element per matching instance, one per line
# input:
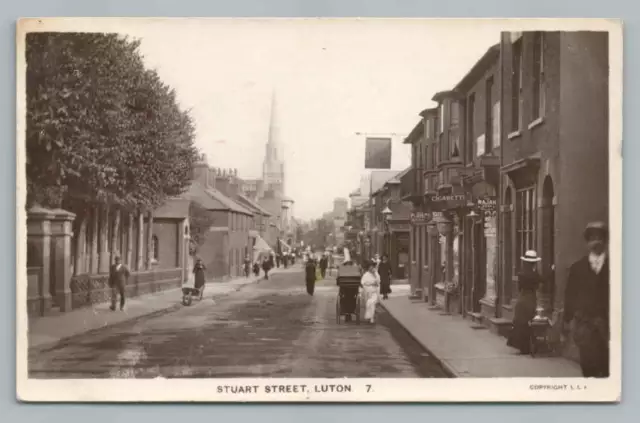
<point x="201" y="172"/>
<point x="222" y="181"/>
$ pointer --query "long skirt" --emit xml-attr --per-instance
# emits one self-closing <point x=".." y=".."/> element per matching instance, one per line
<point x="311" y="285"/>
<point x="385" y="286"/>
<point x="370" y="301"/>
<point x="525" y="310"/>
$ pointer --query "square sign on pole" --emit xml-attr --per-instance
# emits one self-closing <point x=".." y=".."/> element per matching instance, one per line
<point x="377" y="153"/>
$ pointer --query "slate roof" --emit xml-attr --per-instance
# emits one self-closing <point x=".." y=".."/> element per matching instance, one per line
<point x="212" y="199"/>
<point x="247" y="202"/>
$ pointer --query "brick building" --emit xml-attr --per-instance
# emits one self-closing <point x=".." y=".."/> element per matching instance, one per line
<point x="515" y="151"/>
<point x="229" y="239"/>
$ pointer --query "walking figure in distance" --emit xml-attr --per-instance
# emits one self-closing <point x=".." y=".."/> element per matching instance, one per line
<point x="384" y="270"/>
<point x="198" y="273"/>
<point x="528" y="282"/>
<point x="266" y="266"/>
<point x="310" y="275"/>
<point x="586" y="312"/>
<point x="118" y="277"/>
<point x="324" y="262"/>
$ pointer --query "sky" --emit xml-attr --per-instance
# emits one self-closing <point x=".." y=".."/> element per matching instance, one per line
<point x="331" y="79"/>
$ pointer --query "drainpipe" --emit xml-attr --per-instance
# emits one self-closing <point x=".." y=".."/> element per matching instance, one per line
<point x="499" y="292"/>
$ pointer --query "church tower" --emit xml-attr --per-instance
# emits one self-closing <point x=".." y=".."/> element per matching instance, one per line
<point x="273" y="167"/>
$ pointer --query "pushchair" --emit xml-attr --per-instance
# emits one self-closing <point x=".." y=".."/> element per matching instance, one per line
<point x="189" y="291"/>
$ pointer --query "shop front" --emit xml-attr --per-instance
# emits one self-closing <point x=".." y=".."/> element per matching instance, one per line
<point x="482" y="287"/>
<point x="446" y="239"/>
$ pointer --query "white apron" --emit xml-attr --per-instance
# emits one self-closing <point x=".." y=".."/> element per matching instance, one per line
<point x="370" y="285"/>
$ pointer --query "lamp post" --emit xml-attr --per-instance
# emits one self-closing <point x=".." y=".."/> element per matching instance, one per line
<point x="387" y="213"/>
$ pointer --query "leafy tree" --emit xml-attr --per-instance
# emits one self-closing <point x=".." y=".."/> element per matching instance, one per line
<point x="200" y="220"/>
<point x="100" y="127"/>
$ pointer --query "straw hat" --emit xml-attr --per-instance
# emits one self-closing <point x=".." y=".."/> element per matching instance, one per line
<point x="530" y="256"/>
<point x="596" y="226"/>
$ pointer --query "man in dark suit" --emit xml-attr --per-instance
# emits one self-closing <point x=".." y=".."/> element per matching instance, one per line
<point x="586" y="299"/>
<point x="118" y="276"/>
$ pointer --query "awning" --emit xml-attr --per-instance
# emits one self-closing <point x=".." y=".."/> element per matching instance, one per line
<point x="261" y="245"/>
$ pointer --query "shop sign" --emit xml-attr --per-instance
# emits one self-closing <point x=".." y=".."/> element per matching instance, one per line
<point x="444" y="202"/>
<point x="420" y="218"/>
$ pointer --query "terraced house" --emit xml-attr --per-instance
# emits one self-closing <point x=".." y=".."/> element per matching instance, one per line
<point x="513" y="152"/>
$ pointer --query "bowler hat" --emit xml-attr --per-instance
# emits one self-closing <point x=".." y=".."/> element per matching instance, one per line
<point x="596" y="227"/>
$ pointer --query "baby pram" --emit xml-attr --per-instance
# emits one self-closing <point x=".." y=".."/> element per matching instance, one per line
<point x="189" y="291"/>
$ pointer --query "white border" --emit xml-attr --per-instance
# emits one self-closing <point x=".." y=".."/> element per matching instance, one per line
<point x="362" y="390"/>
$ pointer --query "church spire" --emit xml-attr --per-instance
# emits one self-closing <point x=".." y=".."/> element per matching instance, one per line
<point x="273" y="168"/>
<point x="272" y="141"/>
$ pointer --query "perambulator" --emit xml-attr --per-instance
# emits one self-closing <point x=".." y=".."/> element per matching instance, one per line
<point x="191" y="288"/>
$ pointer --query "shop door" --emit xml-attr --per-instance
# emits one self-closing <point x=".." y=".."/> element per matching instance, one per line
<point x="479" y="281"/>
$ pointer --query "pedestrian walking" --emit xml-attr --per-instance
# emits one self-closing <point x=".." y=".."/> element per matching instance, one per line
<point x="256" y="268"/>
<point x="324" y="262"/>
<point x="384" y="270"/>
<point x="586" y="313"/>
<point x="370" y="284"/>
<point x="525" y="309"/>
<point x="198" y="273"/>
<point x="247" y="266"/>
<point x="266" y="266"/>
<point x="118" y="276"/>
<point x="310" y="275"/>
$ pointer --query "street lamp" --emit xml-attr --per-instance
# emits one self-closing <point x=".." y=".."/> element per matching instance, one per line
<point x="387" y="213"/>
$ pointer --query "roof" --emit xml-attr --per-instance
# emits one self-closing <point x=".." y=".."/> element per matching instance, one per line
<point x="489" y="58"/>
<point x="245" y="201"/>
<point x="173" y="208"/>
<point x="415" y="133"/>
<point x="212" y="199"/>
<point x="228" y="202"/>
<point x="396" y="179"/>
<point x="376" y="180"/>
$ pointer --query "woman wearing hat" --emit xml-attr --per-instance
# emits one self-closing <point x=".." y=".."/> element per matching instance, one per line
<point x="528" y="282"/>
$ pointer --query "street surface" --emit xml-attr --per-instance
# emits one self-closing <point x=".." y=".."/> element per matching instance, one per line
<point x="270" y="329"/>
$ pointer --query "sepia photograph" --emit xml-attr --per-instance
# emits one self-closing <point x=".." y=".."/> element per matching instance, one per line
<point x="319" y="210"/>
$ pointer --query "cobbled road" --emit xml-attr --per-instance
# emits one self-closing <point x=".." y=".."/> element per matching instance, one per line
<point x="269" y="329"/>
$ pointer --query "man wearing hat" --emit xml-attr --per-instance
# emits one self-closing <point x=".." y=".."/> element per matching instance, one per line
<point x="118" y="276"/>
<point x="586" y="302"/>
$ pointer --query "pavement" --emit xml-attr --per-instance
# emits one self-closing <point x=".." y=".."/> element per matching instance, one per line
<point x="467" y="352"/>
<point x="268" y="329"/>
<point x="49" y="330"/>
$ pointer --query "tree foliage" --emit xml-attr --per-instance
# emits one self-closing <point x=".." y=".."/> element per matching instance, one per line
<point x="101" y="128"/>
<point x="200" y="220"/>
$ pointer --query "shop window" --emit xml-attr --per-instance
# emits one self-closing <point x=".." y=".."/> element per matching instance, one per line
<point x="538" y="76"/>
<point x="525" y="221"/>
<point x="441" y="118"/>
<point x="516" y="85"/>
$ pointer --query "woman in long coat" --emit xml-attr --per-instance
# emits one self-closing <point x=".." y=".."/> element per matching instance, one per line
<point x="310" y="275"/>
<point x="198" y="272"/>
<point x="384" y="270"/>
<point x="528" y="282"/>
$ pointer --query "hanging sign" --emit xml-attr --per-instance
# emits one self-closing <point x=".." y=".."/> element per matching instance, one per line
<point x="420" y="218"/>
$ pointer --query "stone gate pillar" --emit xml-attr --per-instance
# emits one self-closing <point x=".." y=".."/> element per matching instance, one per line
<point x="61" y="234"/>
<point x="38" y="260"/>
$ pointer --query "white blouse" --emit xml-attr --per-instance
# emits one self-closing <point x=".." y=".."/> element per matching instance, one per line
<point x="370" y="279"/>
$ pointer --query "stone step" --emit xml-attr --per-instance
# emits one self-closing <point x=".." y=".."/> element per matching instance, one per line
<point x="500" y="326"/>
<point x="476" y="317"/>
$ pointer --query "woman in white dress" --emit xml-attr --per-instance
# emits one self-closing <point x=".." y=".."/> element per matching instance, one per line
<point x="370" y="284"/>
